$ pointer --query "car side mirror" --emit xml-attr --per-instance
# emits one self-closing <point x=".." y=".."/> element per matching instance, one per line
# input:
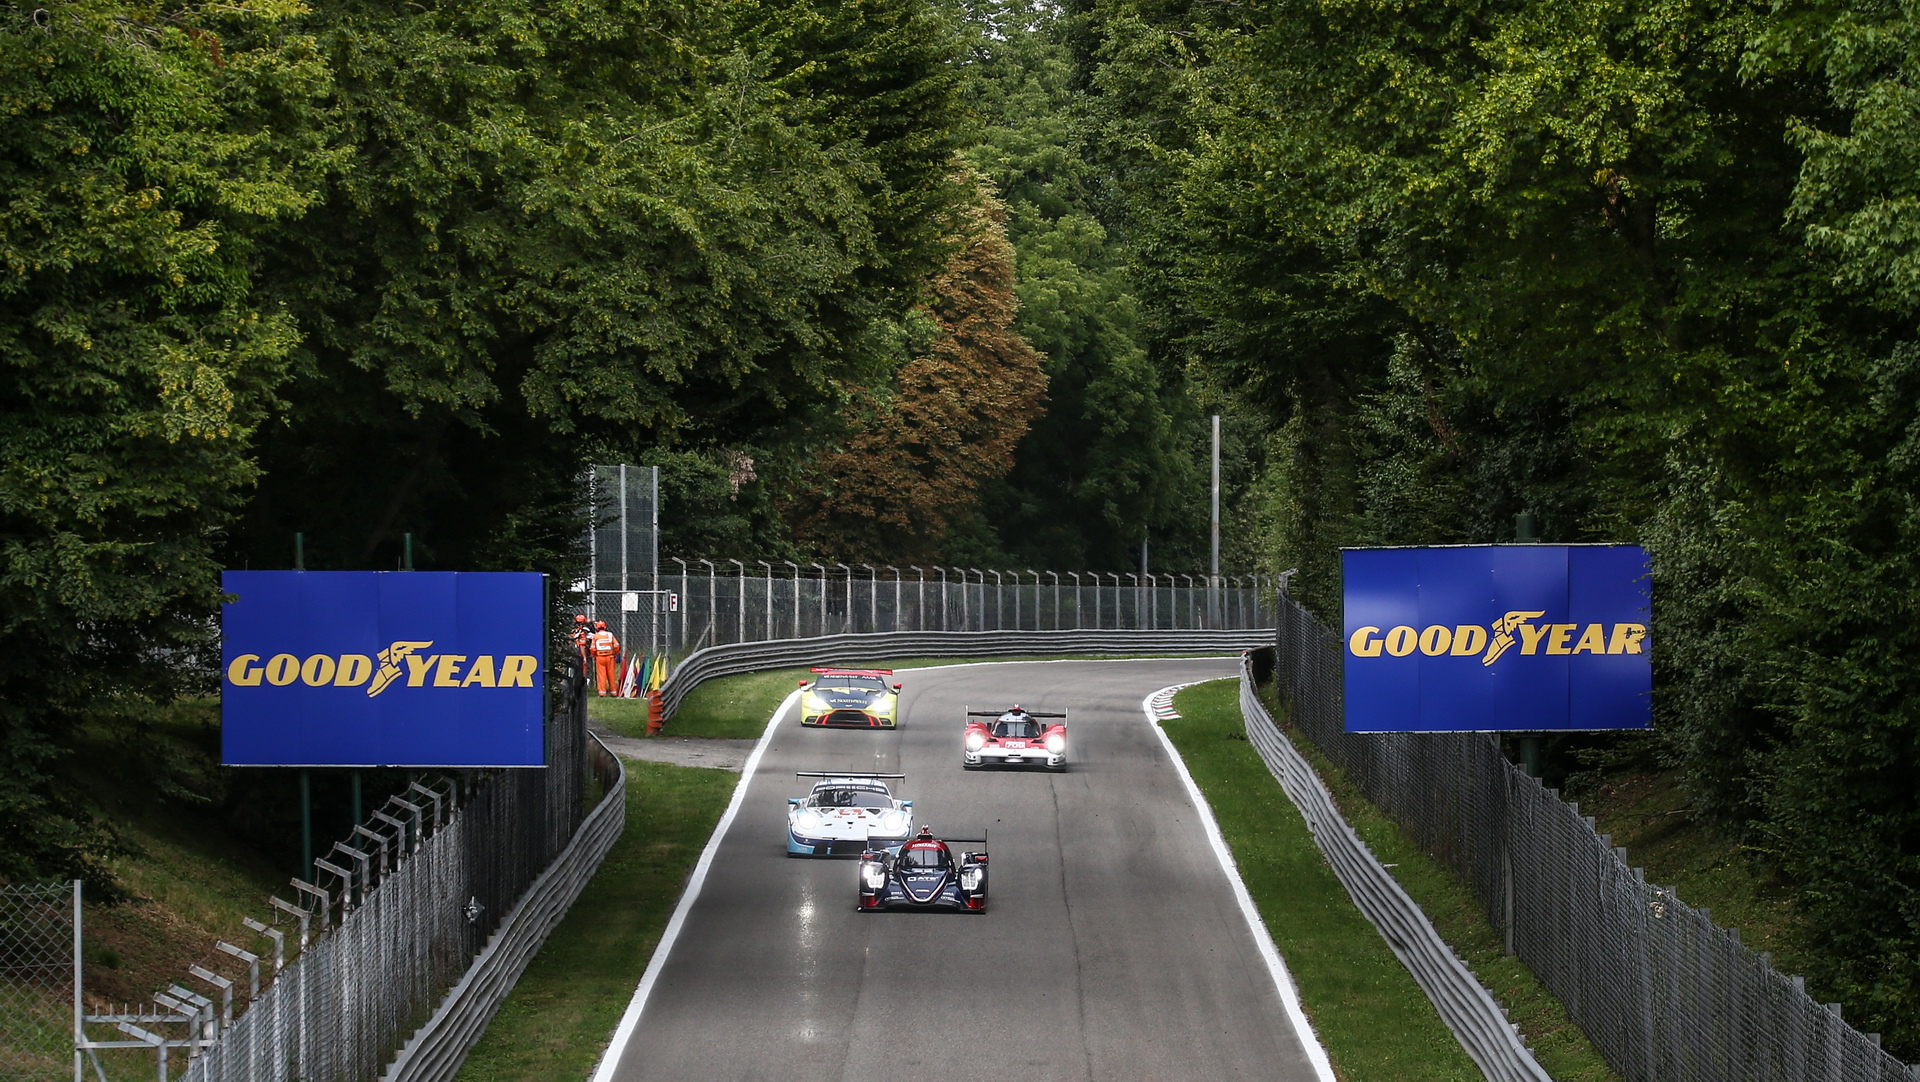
<point x="793" y="800"/>
<point x="896" y="687"/>
<point x="803" y="683"/>
<point x="906" y="803"/>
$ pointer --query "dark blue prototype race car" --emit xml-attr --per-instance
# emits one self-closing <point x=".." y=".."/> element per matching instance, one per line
<point x="925" y="875"/>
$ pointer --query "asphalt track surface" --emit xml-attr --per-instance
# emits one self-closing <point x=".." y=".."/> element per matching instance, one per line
<point x="1113" y="946"/>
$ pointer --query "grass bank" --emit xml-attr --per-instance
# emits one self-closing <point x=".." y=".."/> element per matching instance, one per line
<point x="561" y="1013"/>
<point x="1559" y="1045"/>
<point x="1375" y="1022"/>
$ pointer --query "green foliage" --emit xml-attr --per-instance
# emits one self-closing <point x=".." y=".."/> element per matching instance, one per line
<point x="1644" y="271"/>
<point x="1104" y="466"/>
<point x="142" y="160"/>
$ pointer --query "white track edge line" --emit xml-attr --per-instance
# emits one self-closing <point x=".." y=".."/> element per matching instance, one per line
<point x="630" y="1021"/>
<point x="1276" y="967"/>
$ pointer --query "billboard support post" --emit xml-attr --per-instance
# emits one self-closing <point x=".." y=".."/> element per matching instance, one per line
<point x="306" y="825"/>
<point x="1524" y="533"/>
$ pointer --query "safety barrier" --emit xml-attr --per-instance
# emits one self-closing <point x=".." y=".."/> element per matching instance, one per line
<point x="734" y="658"/>
<point x="1665" y="994"/>
<point x="438" y="1048"/>
<point x="1463" y="1002"/>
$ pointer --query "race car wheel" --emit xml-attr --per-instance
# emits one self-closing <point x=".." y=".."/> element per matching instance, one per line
<point x="964" y="765"/>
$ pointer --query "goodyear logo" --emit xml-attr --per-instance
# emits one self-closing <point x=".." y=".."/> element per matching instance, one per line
<point x="1492" y="641"/>
<point x="403" y="658"/>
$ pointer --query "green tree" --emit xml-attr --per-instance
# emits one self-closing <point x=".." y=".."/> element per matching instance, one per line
<point x="144" y="159"/>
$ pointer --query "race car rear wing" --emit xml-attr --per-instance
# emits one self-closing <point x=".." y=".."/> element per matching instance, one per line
<point x="852" y="672"/>
<point x="1029" y="713"/>
<point x="842" y="774"/>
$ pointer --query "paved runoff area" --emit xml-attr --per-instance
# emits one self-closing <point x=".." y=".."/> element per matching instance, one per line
<point x="1114" y="946"/>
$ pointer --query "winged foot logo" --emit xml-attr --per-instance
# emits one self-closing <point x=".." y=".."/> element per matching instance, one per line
<point x="1497" y="638"/>
<point x="403" y="657"/>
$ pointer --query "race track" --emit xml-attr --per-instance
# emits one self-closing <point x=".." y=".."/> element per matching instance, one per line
<point x="1114" y="947"/>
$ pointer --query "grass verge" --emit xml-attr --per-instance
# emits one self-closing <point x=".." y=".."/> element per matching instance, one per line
<point x="1559" y="1045"/>
<point x="737" y="706"/>
<point x="559" y="1016"/>
<point x="1372" y="1017"/>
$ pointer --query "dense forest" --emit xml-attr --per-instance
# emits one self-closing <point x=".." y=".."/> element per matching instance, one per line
<point x="924" y="279"/>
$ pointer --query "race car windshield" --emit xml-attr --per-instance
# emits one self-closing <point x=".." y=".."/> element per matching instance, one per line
<point x="850" y="683"/>
<point x="1017" y="728"/>
<point x="923" y="858"/>
<point x="849" y="798"/>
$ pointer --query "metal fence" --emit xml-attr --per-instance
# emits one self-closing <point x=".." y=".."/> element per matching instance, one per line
<point x="623" y="555"/>
<point x="37" y="952"/>
<point x="342" y="976"/>
<point x="1665" y="994"/>
<point x="713" y="662"/>
<point x="716" y="602"/>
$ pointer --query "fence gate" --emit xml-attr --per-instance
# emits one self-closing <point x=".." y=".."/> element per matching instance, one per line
<point x="38" y="953"/>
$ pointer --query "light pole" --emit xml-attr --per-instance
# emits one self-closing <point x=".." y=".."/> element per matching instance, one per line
<point x="1075" y="576"/>
<point x="769" y="593"/>
<point x="796" y="596"/>
<point x="683" y="599"/>
<point x="823" y="597"/>
<point x="847" y="624"/>
<point x="1153" y="599"/>
<point x="1189" y="599"/>
<point x="740" y="609"/>
<point x="713" y="607"/>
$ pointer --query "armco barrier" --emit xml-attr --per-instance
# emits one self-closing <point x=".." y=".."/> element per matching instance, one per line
<point x="437" y="1049"/>
<point x="734" y="658"/>
<point x="1464" y="1004"/>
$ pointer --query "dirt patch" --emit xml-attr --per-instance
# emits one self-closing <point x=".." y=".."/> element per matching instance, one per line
<point x="710" y="752"/>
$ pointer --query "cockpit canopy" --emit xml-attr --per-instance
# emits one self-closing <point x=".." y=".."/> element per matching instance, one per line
<point x="1017" y="726"/>
<point x="842" y="797"/>
<point x="925" y="857"/>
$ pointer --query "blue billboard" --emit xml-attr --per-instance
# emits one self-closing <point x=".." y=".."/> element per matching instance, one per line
<point x="1497" y="637"/>
<point x="383" y="668"/>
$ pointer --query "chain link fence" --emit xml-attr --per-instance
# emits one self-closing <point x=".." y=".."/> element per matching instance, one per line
<point x="1665" y="994"/>
<point x="36" y="980"/>
<point x="339" y="978"/>
<point x="714" y="603"/>
<point x="623" y="556"/>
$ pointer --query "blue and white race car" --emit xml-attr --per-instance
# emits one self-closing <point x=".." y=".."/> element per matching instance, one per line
<point x="846" y="814"/>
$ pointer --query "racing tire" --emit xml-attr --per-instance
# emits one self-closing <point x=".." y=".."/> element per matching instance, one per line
<point x="964" y="765"/>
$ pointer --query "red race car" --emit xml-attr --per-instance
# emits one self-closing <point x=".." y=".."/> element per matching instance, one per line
<point x="1016" y="737"/>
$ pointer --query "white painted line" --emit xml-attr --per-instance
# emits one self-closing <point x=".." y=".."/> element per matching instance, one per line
<point x="630" y="1021"/>
<point x="1282" y="980"/>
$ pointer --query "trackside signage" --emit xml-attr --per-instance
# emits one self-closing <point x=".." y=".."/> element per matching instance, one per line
<point x="383" y="668"/>
<point x="1497" y="637"/>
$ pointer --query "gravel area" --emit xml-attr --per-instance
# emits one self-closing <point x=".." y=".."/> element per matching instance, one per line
<point x="679" y="750"/>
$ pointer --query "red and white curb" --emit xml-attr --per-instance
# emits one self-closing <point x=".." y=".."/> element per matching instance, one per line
<point x="1160" y="703"/>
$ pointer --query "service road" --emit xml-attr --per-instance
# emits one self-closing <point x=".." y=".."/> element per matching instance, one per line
<point x="1113" y="948"/>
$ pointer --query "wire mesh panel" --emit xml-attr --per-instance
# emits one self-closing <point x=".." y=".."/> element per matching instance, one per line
<point x="623" y="585"/>
<point x="1665" y="994"/>
<point x="36" y="980"/>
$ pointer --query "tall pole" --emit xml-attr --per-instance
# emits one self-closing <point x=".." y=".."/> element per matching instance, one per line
<point x="655" y="632"/>
<point x="625" y="642"/>
<point x="1213" y="575"/>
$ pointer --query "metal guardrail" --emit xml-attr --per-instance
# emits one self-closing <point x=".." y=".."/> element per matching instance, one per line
<point x="1664" y="994"/>
<point x="1465" y="1005"/>
<point x="735" y="658"/>
<point x="437" y="1049"/>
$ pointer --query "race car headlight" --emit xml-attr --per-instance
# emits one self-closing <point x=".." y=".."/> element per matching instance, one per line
<point x="976" y="741"/>
<point x="1056" y="743"/>
<point x="970" y="877"/>
<point x="812" y="704"/>
<point x="872" y="875"/>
